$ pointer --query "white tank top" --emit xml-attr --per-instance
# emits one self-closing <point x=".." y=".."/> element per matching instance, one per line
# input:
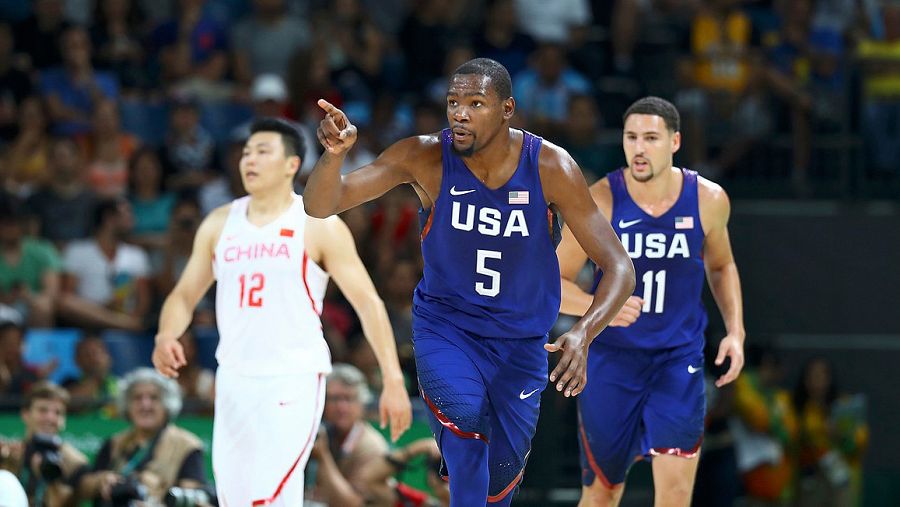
<point x="269" y="296"/>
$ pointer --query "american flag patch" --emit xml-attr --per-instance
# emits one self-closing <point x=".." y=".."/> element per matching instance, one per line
<point x="518" y="197"/>
<point x="287" y="233"/>
<point x="684" y="222"/>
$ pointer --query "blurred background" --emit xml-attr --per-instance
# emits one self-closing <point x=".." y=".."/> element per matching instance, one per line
<point x="122" y="121"/>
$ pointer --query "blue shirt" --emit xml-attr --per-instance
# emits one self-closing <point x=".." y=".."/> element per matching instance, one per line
<point x="667" y="253"/>
<point x="490" y="260"/>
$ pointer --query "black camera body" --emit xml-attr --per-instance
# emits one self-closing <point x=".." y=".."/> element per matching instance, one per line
<point x="126" y="491"/>
<point x="47" y="446"/>
<point x="189" y="497"/>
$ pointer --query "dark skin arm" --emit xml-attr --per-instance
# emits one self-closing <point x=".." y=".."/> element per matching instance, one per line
<point x="417" y="160"/>
<point x="406" y="161"/>
<point x="565" y="187"/>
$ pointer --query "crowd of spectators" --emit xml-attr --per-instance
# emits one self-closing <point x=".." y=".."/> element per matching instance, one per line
<point x="122" y="121"/>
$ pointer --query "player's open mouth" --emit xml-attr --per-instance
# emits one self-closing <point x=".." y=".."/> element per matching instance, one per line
<point x="460" y="134"/>
<point x="639" y="163"/>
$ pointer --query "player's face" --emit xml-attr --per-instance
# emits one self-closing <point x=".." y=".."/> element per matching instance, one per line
<point x="648" y="145"/>
<point x="145" y="407"/>
<point x="264" y="164"/>
<point x="44" y="416"/>
<point x="475" y="112"/>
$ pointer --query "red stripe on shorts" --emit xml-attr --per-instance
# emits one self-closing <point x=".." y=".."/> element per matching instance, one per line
<point x="447" y="423"/>
<point x="312" y="434"/>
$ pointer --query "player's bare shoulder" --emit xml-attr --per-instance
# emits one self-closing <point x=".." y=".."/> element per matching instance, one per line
<point x="415" y="153"/>
<point x="558" y="169"/>
<point x="715" y="207"/>
<point x="211" y="227"/>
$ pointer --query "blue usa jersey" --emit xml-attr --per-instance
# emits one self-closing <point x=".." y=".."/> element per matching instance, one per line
<point x="667" y="253"/>
<point x="490" y="260"/>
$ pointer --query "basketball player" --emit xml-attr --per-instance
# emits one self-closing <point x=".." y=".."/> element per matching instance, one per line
<point x="271" y="263"/>
<point x="645" y="396"/>
<point x="489" y="294"/>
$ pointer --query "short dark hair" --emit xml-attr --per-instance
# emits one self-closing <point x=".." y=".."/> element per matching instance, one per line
<point x="104" y="209"/>
<point x="46" y="390"/>
<point x="490" y="68"/>
<point x="290" y="136"/>
<point x="657" y="107"/>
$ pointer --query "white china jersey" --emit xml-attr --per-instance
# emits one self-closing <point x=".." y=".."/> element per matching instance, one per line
<point x="269" y="296"/>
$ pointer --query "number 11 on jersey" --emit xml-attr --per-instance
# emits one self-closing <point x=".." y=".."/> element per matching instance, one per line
<point x="256" y="283"/>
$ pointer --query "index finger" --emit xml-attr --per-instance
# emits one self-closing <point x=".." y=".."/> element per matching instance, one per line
<point x="328" y="107"/>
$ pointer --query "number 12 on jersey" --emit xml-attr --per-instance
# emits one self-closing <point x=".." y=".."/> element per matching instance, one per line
<point x="250" y="288"/>
<point x="659" y="294"/>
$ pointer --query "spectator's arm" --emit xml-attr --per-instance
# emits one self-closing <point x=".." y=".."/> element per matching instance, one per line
<point x="334" y="486"/>
<point x="59" y="111"/>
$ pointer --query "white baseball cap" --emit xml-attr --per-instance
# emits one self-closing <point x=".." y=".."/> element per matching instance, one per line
<point x="268" y="87"/>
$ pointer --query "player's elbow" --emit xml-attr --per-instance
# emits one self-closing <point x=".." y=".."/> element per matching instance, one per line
<point x="317" y="209"/>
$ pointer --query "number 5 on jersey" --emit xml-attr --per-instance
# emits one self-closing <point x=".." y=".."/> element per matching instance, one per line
<point x="481" y="257"/>
<point x="250" y="294"/>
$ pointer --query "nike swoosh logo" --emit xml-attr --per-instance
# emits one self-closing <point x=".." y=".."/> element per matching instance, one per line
<point x="523" y="396"/>
<point x="692" y="370"/>
<point x="454" y="191"/>
<point x="624" y="225"/>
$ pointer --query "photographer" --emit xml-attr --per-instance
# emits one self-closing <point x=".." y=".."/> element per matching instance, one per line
<point x="47" y="468"/>
<point x="143" y="462"/>
<point x="386" y="491"/>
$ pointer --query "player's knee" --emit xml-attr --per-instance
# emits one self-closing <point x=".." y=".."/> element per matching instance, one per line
<point x="601" y="495"/>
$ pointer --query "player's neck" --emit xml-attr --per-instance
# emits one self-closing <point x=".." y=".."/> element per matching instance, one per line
<point x="664" y="186"/>
<point x="269" y="204"/>
<point x="492" y="157"/>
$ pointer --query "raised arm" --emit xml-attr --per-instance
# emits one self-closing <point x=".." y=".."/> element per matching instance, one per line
<point x="178" y="308"/>
<point x="330" y="241"/>
<point x="565" y="187"/>
<point x="328" y="192"/>
<point x="722" y="274"/>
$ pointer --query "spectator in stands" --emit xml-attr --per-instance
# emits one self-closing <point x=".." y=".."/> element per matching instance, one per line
<point x="582" y="138"/>
<point x="27" y="164"/>
<point x="188" y="152"/>
<point x="356" y="50"/>
<point x="880" y="66"/>
<point x="543" y="90"/>
<point x="502" y="40"/>
<point x="107" y="150"/>
<point x="106" y="282"/>
<point x="719" y="92"/>
<point x="270" y="98"/>
<point x="554" y="22"/>
<point x="29" y="268"/>
<point x="765" y="430"/>
<point x="833" y="438"/>
<point x="63" y="205"/>
<point x="386" y="491"/>
<point x="192" y="52"/>
<point x="116" y="35"/>
<point x="265" y="41"/>
<point x="197" y="383"/>
<point x="15" y="86"/>
<point x="152" y="451"/>
<point x="16" y="376"/>
<point x="96" y="388"/>
<point x="38" y="37"/>
<point x="151" y="204"/>
<point x="48" y="468"/>
<point x="352" y="442"/>
<point x="169" y="261"/>
<point x="73" y="90"/>
<point x="227" y="185"/>
<point x="787" y="76"/>
<point x="425" y="39"/>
